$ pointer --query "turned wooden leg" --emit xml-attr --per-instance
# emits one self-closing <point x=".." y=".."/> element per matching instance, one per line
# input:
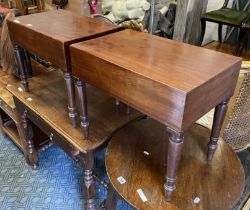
<point x="28" y="66"/>
<point x="88" y="181"/>
<point x="176" y="141"/>
<point x="220" y="33"/>
<point x="19" y="57"/>
<point x="111" y="200"/>
<point x="219" y="116"/>
<point x="71" y="98"/>
<point x="30" y="151"/>
<point x="82" y="95"/>
<point x="203" y="29"/>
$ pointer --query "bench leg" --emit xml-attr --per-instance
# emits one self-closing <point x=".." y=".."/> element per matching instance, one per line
<point x="30" y="152"/>
<point x="88" y="181"/>
<point x="19" y="57"/>
<point x="175" y="146"/>
<point x="71" y="98"/>
<point x="219" y="116"/>
<point x="82" y="95"/>
<point x="111" y="200"/>
<point x="27" y="61"/>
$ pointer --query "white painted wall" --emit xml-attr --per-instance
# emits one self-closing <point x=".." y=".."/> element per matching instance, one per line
<point x="212" y="28"/>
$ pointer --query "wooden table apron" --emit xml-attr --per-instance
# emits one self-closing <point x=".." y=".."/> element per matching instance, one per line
<point x="48" y="35"/>
<point x="172" y="82"/>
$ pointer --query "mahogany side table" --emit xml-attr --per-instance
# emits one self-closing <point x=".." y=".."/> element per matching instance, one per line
<point x="172" y="82"/>
<point x="48" y="35"/>
<point x="44" y="106"/>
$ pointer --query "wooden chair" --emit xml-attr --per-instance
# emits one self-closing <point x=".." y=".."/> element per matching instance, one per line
<point x="135" y="159"/>
<point x="224" y="16"/>
<point x="244" y="36"/>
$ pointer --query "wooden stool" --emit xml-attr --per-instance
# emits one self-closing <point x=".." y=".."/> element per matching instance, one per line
<point x="44" y="106"/>
<point x="171" y="82"/>
<point x="136" y="158"/>
<point x="48" y="35"/>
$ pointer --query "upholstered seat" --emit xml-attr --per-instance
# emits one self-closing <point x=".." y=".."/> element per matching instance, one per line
<point x="226" y="16"/>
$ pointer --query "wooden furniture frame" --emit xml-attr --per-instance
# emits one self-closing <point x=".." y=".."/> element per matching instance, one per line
<point x="172" y="82"/>
<point x="51" y="117"/>
<point x="243" y="15"/>
<point x="48" y="35"/>
<point x="10" y="122"/>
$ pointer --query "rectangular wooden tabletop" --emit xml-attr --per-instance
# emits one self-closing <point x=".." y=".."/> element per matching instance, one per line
<point x="173" y="82"/>
<point x="49" y="34"/>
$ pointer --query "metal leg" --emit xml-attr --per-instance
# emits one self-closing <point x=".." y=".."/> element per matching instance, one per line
<point x="82" y="95"/>
<point x="219" y="116"/>
<point x="176" y="141"/>
<point x="71" y="98"/>
<point x="30" y="152"/>
<point x="19" y="57"/>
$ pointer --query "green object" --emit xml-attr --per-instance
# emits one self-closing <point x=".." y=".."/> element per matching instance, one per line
<point x="226" y="16"/>
<point x="247" y="24"/>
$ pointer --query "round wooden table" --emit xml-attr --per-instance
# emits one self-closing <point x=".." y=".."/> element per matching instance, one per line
<point x="136" y="166"/>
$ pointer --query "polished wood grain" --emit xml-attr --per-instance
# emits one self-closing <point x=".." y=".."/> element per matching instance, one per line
<point x="49" y="34"/>
<point x="218" y="184"/>
<point x="48" y="102"/>
<point x="219" y="116"/>
<point x="172" y="82"/>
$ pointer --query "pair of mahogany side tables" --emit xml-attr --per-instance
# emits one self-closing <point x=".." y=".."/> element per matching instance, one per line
<point x="171" y="82"/>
